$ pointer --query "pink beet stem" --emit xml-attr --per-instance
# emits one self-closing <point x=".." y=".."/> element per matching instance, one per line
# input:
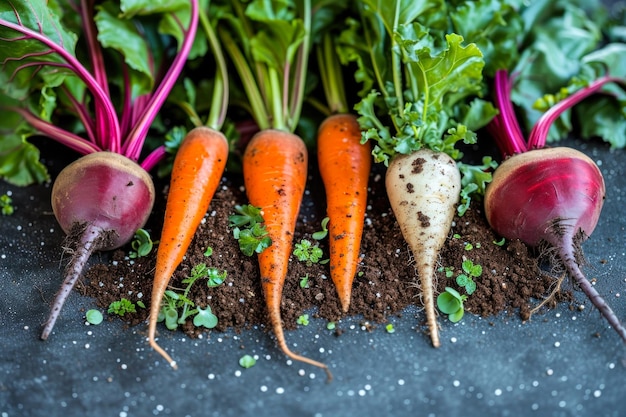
<point x="88" y="242"/>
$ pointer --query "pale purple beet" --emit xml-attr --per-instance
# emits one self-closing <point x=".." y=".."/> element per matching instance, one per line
<point x="100" y="201"/>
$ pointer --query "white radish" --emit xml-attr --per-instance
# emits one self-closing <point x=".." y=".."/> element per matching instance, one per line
<point x="423" y="190"/>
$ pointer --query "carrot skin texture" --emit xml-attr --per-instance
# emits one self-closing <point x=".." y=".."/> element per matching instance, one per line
<point x="344" y="164"/>
<point x="553" y="195"/>
<point x="196" y="174"/>
<point x="423" y="190"/>
<point x="275" y="172"/>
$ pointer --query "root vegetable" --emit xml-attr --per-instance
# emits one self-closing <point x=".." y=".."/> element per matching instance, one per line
<point x="552" y="195"/>
<point x="105" y="196"/>
<point x="99" y="200"/>
<point x="197" y="171"/>
<point x="423" y="190"/>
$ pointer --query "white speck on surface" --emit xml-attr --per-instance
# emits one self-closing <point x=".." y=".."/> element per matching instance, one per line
<point x="263" y="388"/>
<point x="549" y="371"/>
<point x="280" y="390"/>
<point x="400" y="381"/>
<point x="557" y="344"/>
<point x="498" y="392"/>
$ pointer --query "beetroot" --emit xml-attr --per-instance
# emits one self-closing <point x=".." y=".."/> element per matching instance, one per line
<point x="551" y="195"/>
<point x="99" y="200"/>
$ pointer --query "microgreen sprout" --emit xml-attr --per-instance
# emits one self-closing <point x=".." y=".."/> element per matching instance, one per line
<point x="307" y="252"/>
<point x="448" y="270"/>
<point x="141" y="244"/>
<point x="466" y="280"/>
<point x="389" y="328"/>
<point x="468" y="246"/>
<point x="94" y="317"/>
<point x="303" y="320"/>
<point x="324" y="232"/>
<point x="450" y="302"/>
<point x="247" y="361"/>
<point x="208" y="252"/>
<point x="331" y="325"/>
<point x="499" y="242"/>
<point x="177" y="307"/>
<point x="248" y="229"/>
<point x="122" y="307"/>
<point x="304" y="281"/>
<point x="6" y="205"/>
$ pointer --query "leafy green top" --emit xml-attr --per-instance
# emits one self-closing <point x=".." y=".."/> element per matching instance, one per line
<point x="111" y="84"/>
<point x="416" y="79"/>
<point x="268" y="42"/>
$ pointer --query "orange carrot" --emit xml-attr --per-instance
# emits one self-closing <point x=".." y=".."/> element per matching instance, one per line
<point x="274" y="174"/>
<point x="197" y="171"/>
<point x="344" y="165"/>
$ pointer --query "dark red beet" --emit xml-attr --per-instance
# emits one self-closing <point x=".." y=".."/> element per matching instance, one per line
<point x="553" y="195"/>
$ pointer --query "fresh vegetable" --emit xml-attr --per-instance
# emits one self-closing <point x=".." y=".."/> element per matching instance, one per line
<point x="198" y="167"/>
<point x="418" y="109"/>
<point x="344" y="164"/>
<point x="269" y="45"/>
<point x="197" y="171"/>
<point x="101" y="199"/>
<point x="552" y="195"/>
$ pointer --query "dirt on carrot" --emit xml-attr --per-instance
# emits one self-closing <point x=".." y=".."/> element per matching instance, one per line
<point x="511" y="282"/>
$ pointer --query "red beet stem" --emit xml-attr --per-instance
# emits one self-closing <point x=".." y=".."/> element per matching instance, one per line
<point x="88" y="241"/>
<point x="567" y="248"/>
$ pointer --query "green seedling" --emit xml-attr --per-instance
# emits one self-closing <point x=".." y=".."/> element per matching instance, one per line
<point x="248" y="229"/>
<point x="304" y="281"/>
<point x="499" y="242"/>
<point x="307" y="252"/>
<point x="466" y="280"/>
<point x="324" y="232"/>
<point x="448" y="270"/>
<point x="331" y="325"/>
<point x="247" y="361"/>
<point x="303" y="320"/>
<point x="208" y="252"/>
<point x="389" y="328"/>
<point x="141" y="244"/>
<point x="122" y="307"/>
<point x="450" y="302"/>
<point x="6" y="205"/>
<point x="177" y="307"/>
<point x="94" y="317"/>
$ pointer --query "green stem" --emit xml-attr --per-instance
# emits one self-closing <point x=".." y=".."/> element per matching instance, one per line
<point x="257" y="104"/>
<point x="219" y="101"/>
<point x="331" y="74"/>
<point x="301" y="69"/>
<point x="276" y="99"/>
<point x="396" y="63"/>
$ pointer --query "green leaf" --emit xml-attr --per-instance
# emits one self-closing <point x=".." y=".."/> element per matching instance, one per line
<point x="21" y="56"/>
<point x="456" y="316"/>
<point x="205" y="317"/>
<point x="448" y="303"/>
<point x="124" y="37"/>
<point x="247" y="361"/>
<point x="19" y="161"/>
<point x="94" y="317"/>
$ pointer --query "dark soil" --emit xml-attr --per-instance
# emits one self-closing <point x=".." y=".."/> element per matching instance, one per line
<point x="511" y="282"/>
